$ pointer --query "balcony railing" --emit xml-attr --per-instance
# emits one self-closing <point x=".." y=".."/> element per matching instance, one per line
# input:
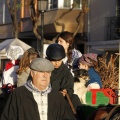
<point x="112" y="28"/>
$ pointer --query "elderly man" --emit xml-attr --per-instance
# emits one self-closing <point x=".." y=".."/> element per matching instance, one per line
<point x="36" y="100"/>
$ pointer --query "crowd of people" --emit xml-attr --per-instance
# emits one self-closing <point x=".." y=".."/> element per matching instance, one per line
<point x="42" y="83"/>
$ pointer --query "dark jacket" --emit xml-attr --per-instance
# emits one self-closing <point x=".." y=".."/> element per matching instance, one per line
<point x="94" y="77"/>
<point x="61" y="78"/>
<point x="22" y="106"/>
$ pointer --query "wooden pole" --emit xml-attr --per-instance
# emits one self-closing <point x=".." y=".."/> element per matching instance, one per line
<point x="42" y="33"/>
<point x="72" y="107"/>
<point x="119" y="77"/>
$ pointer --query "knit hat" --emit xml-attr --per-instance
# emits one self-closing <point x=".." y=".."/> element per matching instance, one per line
<point x="88" y="59"/>
<point x="41" y="65"/>
<point x="32" y="50"/>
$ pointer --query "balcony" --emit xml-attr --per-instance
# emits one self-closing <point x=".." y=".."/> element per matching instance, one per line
<point x="112" y="28"/>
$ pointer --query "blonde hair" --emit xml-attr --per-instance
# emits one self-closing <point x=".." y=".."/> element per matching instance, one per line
<point x="25" y="61"/>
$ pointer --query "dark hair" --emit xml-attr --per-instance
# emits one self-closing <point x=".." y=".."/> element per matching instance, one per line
<point x="68" y="37"/>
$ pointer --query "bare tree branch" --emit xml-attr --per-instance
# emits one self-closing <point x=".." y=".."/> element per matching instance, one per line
<point x="81" y="18"/>
<point x="13" y="8"/>
<point x="80" y="21"/>
<point x="108" y="71"/>
<point x="35" y="18"/>
<point x="35" y="15"/>
<point x="57" y="22"/>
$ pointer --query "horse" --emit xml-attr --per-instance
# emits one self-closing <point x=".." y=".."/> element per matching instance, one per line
<point x="109" y="112"/>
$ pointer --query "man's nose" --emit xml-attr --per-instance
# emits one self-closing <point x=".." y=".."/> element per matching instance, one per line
<point x="45" y="74"/>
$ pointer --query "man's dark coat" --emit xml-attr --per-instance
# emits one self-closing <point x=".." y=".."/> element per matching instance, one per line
<point x="22" y="106"/>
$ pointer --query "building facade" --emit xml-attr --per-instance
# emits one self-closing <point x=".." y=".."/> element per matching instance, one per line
<point x="102" y="27"/>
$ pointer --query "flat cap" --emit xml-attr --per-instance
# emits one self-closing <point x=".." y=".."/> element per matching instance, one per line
<point x="41" y="65"/>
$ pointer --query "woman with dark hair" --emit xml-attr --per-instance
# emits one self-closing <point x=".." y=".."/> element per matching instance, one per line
<point x="66" y="40"/>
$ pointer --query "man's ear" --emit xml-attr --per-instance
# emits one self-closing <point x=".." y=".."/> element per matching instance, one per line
<point x="32" y="72"/>
<point x="50" y="74"/>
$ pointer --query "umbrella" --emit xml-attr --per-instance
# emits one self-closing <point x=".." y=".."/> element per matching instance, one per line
<point x="5" y="46"/>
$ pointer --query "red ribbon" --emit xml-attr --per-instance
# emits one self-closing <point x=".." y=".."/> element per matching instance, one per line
<point x="10" y="64"/>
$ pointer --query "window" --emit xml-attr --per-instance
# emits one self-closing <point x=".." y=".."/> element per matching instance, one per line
<point x="4" y="13"/>
<point x="67" y="3"/>
<point x="77" y="3"/>
<point x="53" y="4"/>
<point x="118" y="8"/>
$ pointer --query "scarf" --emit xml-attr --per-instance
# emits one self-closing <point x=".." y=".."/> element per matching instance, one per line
<point x="32" y="88"/>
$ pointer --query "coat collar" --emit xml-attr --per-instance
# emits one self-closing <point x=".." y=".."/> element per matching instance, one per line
<point x="32" y="88"/>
